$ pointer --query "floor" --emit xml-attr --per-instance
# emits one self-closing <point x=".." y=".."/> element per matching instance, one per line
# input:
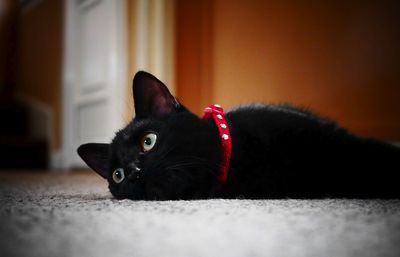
<point x="58" y="214"/>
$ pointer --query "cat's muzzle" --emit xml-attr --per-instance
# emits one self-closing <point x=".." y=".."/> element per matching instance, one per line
<point x="136" y="172"/>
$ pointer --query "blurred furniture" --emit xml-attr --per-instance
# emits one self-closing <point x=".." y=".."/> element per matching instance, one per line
<point x="19" y="147"/>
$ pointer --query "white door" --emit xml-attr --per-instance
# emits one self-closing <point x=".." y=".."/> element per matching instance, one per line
<point x="94" y="77"/>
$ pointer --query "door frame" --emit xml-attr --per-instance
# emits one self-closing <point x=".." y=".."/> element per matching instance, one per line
<point x="118" y="74"/>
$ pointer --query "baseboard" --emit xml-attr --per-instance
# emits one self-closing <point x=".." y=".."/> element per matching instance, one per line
<point x="56" y="161"/>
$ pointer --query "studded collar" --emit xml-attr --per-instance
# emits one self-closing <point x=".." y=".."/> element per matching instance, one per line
<point x="217" y="113"/>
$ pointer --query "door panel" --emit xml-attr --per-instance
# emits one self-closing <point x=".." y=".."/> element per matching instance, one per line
<point x="95" y="69"/>
<point x="93" y="46"/>
<point x="91" y="123"/>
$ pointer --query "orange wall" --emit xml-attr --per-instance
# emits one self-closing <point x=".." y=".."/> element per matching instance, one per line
<point x="39" y="64"/>
<point x="194" y="63"/>
<point x="340" y="59"/>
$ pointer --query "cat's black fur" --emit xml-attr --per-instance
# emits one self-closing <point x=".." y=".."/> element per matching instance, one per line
<point x="278" y="151"/>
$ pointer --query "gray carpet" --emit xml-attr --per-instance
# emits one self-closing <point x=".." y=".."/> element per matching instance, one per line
<point x="74" y="215"/>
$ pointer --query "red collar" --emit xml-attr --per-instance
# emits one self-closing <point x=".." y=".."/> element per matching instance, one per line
<point x="217" y="113"/>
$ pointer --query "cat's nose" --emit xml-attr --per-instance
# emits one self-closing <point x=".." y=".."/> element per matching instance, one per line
<point x="135" y="171"/>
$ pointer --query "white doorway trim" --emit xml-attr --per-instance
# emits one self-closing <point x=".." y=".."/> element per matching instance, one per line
<point x="154" y="39"/>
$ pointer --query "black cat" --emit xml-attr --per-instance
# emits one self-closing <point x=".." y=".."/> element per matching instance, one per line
<point x="276" y="151"/>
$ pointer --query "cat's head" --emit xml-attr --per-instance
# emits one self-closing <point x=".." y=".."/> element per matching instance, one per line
<point x="165" y="152"/>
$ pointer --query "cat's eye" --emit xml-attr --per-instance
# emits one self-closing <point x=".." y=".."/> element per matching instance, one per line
<point x="118" y="175"/>
<point x="148" y="142"/>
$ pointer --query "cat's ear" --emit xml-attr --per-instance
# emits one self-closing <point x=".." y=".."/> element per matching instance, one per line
<point x="152" y="97"/>
<point x="96" y="157"/>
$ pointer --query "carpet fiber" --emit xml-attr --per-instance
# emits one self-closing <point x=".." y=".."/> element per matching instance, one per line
<point x="74" y="215"/>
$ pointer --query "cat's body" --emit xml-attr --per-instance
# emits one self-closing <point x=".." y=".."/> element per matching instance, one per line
<point x="278" y="151"/>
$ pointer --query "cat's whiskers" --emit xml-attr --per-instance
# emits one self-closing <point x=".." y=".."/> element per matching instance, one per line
<point x="185" y="162"/>
<point x="206" y="166"/>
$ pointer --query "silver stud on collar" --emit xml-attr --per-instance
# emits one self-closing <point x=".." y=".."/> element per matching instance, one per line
<point x="225" y="136"/>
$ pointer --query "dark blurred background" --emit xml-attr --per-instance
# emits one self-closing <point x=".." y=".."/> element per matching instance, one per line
<point x="339" y="58"/>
